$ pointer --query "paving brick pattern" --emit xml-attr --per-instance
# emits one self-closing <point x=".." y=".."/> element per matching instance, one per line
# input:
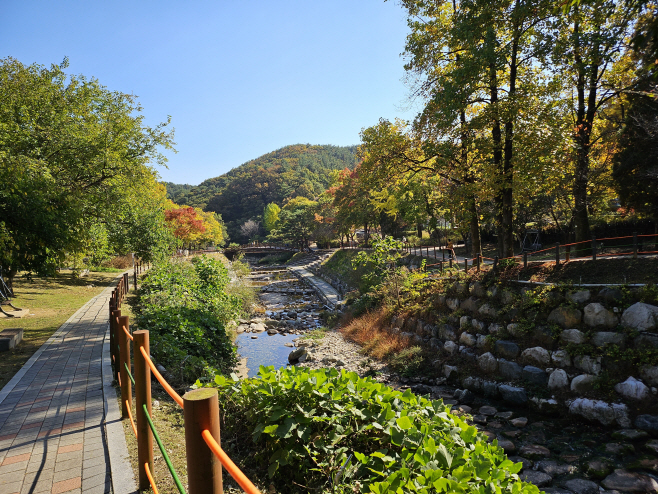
<point x="51" y="423"/>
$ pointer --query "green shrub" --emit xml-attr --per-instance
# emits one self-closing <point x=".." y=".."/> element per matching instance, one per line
<point x="185" y="308"/>
<point x="322" y="430"/>
<point x="409" y="362"/>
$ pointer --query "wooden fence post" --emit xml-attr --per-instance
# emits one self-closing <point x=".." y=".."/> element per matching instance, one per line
<point x="124" y="359"/>
<point x="477" y="259"/>
<point x="557" y="253"/>
<point x="567" y="253"/>
<point x="495" y="266"/>
<point x="593" y="248"/>
<point x="525" y="260"/>
<point x="143" y="397"/>
<point x="435" y="252"/>
<point x="135" y="279"/>
<point x="465" y="265"/>
<point x="634" y="245"/>
<point x="201" y="412"/>
<point x="450" y="262"/>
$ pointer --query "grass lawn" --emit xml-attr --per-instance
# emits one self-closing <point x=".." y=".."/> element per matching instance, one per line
<point x="51" y="302"/>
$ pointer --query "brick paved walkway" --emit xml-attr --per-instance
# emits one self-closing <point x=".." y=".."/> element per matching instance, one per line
<point x="51" y="422"/>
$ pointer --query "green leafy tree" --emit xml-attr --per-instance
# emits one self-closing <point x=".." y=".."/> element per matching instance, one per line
<point x="298" y="223"/>
<point x="271" y="217"/>
<point x="70" y="151"/>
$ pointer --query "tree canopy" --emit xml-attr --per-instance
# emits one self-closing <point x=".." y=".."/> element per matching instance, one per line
<point x="75" y="158"/>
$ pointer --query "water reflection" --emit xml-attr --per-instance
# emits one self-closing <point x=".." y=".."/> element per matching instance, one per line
<point x="266" y="350"/>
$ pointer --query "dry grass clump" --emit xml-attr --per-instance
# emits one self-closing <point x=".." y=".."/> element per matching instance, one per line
<point x="370" y="332"/>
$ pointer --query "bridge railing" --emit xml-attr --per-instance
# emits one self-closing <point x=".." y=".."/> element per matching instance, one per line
<point x="269" y="246"/>
<point x="205" y="456"/>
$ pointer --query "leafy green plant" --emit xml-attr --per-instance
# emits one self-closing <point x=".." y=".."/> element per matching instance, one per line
<point x="337" y="432"/>
<point x="185" y="308"/>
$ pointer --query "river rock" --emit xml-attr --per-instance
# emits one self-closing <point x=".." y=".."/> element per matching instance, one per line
<point x="595" y="315"/>
<point x="464" y="322"/>
<point x="488" y="411"/>
<point x="488" y="310"/>
<point x="561" y="358"/>
<point x="600" y="411"/>
<point x="479" y="326"/>
<point x="629" y="434"/>
<point x="471" y="305"/>
<point x="641" y="316"/>
<point x="450" y="347"/>
<point x="488" y="363"/>
<point x="650" y="375"/>
<point x="652" y="446"/>
<point x="534" y="451"/>
<point x="449" y="371"/>
<point x="507" y="349"/>
<point x="436" y="344"/>
<point x="579" y="297"/>
<point x="603" y="338"/>
<point x="582" y="486"/>
<point x="298" y="355"/>
<point x="447" y="332"/>
<point x="566" y="317"/>
<point x="583" y="383"/>
<point x="490" y="389"/>
<point x="292" y="314"/>
<point x="590" y="365"/>
<point x="535" y="375"/>
<point x="598" y="468"/>
<point x="494" y="328"/>
<point x="620" y="449"/>
<point x="646" y="340"/>
<point x="633" y="389"/>
<point x="558" y="379"/>
<point x="483" y="342"/>
<point x="611" y="295"/>
<point x="647" y="423"/>
<point x="574" y="336"/>
<point x="625" y="481"/>
<point x="509" y="370"/>
<point x="540" y="479"/>
<point x="477" y="289"/>
<point x="241" y="328"/>
<point x="257" y="327"/>
<point x="519" y="422"/>
<point x="513" y="394"/>
<point x="515" y="329"/>
<point x="553" y="468"/>
<point x="467" y="339"/>
<point x="536" y="356"/>
<point x="452" y="303"/>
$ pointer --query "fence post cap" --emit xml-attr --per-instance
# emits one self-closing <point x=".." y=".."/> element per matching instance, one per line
<point x="200" y="394"/>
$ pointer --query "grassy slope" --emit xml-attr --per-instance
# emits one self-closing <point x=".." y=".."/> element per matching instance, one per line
<point x="51" y="302"/>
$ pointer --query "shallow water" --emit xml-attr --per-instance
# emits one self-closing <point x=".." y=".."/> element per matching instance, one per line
<point x="266" y="350"/>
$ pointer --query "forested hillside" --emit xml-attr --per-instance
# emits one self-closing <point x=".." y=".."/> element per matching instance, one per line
<point x="242" y="193"/>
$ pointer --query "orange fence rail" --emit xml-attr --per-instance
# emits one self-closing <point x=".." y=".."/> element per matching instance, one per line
<point x="205" y="457"/>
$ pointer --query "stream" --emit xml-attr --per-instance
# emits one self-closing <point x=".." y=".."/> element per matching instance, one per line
<point x="289" y="310"/>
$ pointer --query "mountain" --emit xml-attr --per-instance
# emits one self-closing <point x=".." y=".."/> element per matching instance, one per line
<point x="242" y="193"/>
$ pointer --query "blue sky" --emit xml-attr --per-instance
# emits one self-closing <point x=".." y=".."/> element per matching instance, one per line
<point x="239" y="78"/>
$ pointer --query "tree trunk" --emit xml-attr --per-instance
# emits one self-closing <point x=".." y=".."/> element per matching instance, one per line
<point x="585" y="115"/>
<point x="507" y="191"/>
<point x="496" y="135"/>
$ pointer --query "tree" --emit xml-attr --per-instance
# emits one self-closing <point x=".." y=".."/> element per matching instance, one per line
<point x="592" y="50"/>
<point x="250" y="229"/>
<point x="271" y="217"/>
<point x="298" y="223"/>
<point x="185" y="223"/>
<point x="70" y="151"/>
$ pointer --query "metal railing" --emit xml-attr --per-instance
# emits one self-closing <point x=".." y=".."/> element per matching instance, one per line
<point x="205" y="456"/>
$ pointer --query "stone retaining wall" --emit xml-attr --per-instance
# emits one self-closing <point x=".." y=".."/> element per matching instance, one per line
<point x="545" y="347"/>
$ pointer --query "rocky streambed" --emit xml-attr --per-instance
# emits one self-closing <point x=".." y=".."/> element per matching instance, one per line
<point x="288" y="310"/>
<point x="559" y="454"/>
